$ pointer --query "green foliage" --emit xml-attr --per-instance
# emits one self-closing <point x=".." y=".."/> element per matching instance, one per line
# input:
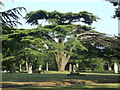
<point x="61" y="38"/>
<point x="96" y="64"/>
<point x="60" y="18"/>
<point x="11" y="17"/>
<point x="8" y="58"/>
<point x="111" y="45"/>
<point x="21" y="43"/>
<point x="117" y="10"/>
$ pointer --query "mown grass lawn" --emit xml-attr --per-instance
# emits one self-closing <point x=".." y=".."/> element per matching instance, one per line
<point x="60" y="80"/>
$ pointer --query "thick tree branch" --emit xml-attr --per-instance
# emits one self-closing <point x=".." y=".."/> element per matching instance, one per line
<point x="87" y="33"/>
<point x="87" y="37"/>
<point x="73" y="31"/>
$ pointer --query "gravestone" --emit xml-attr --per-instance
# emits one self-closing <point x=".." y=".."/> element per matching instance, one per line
<point x="77" y="67"/>
<point x="20" y="68"/>
<point x="5" y="71"/>
<point x="73" y="68"/>
<point x="30" y="69"/>
<point x="40" y="68"/>
<point x="70" y="67"/>
<point x="115" y="67"/>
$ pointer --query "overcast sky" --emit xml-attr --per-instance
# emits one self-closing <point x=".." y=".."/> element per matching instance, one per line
<point x="100" y="8"/>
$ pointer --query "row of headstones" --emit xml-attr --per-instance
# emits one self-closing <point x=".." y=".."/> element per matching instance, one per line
<point x="30" y="68"/>
<point x="72" y="68"/>
<point x="75" y="67"/>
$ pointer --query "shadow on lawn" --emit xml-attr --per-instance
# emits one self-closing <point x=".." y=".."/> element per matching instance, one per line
<point x="51" y="77"/>
<point x="53" y="81"/>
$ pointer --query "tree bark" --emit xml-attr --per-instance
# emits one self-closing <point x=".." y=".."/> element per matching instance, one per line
<point x="61" y="65"/>
<point x="77" y="66"/>
<point x="118" y="67"/>
<point x="27" y="66"/>
<point x="62" y="60"/>
<point x="47" y="66"/>
<point x="13" y="68"/>
<point x="109" y="67"/>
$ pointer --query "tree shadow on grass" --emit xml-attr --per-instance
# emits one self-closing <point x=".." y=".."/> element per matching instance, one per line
<point x="55" y="78"/>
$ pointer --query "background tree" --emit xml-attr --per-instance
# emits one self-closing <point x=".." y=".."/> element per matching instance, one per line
<point x="90" y="59"/>
<point x="116" y="3"/>
<point x="11" y="17"/>
<point x="21" y="46"/>
<point x="111" y="45"/>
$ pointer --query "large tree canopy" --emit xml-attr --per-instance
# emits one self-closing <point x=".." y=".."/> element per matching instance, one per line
<point x="60" y="18"/>
<point x="62" y="35"/>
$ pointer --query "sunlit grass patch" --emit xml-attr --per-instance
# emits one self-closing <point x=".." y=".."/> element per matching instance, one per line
<point x="60" y="80"/>
<point x="88" y="73"/>
<point x="108" y="85"/>
<point x="53" y="85"/>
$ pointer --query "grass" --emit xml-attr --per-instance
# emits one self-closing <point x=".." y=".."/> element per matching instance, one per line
<point x="60" y="80"/>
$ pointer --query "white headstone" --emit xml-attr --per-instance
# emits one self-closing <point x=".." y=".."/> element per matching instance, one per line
<point x="5" y="71"/>
<point x="40" y="67"/>
<point x="30" y="68"/>
<point x="20" y="68"/>
<point x="115" y="67"/>
<point x="74" y="68"/>
<point x="70" y="67"/>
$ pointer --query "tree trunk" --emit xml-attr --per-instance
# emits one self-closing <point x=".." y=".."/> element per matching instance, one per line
<point x="61" y="60"/>
<point x="61" y="66"/>
<point x="13" y="68"/>
<point x="118" y="67"/>
<point x="119" y="26"/>
<point x="46" y="66"/>
<point x="27" y="67"/>
<point x="109" y="67"/>
<point x="77" y="66"/>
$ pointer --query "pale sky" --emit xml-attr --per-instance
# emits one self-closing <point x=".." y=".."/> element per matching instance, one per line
<point x="100" y="8"/>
